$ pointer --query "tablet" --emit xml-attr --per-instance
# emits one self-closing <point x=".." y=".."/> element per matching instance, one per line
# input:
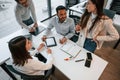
<point x="38" y="30"/>
<point x="50" y="41"/>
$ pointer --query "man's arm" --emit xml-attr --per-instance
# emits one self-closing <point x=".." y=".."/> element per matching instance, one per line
<point x="50" y="26"/>
<point x="47" y="31"/>
<point x="72" y="30"/>
<point x="19" y="19"/>
<point x="33" y="11"/>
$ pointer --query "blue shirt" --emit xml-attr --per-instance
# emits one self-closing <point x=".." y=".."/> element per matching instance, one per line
<point x="66" y="28"/>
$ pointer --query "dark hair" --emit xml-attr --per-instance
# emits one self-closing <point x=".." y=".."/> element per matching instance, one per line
<point x="17" y="1"/>
<point x="60" y="8"/>
<point x="18" y="50"/>
<point x="99" y="5"/>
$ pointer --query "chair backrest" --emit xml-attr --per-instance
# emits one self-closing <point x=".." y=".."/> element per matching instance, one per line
<point x="26" y="77"/>
<point x="109" y="13"/>
<point x="75" y="18"/>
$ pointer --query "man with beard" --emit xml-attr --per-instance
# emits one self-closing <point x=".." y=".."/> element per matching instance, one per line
<point x="63" y="25"/>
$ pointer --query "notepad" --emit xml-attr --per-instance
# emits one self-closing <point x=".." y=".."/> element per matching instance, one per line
<point x="71" y="49"/>
<point x="50" y="41"/>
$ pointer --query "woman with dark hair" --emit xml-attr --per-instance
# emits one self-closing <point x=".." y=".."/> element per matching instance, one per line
<point x="95" y="27"/>
<point x="24" y="62"/>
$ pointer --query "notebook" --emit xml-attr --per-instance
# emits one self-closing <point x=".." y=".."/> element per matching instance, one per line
<point x="71" y="49"/>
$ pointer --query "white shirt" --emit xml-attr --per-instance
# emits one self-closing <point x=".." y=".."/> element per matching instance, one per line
<point x="35" y="67"/>
<point x="92" y="19"/>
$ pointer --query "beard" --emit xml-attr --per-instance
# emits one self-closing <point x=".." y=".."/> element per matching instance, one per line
<point x="62" y="19"/>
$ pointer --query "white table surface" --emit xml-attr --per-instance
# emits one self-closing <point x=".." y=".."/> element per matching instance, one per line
<point x="73" y="70"/>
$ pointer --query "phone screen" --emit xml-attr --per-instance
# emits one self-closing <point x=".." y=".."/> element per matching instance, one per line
<point x="89" y="56"/>
<point x="87" y="63"/>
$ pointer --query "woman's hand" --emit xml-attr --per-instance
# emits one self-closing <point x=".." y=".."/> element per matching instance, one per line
<point x="49" y="51"/>
<point x="95" y="39"/>
<point x="63" y="40"/>
<point x="77" y="28"/>
<point x="40" y="46"/>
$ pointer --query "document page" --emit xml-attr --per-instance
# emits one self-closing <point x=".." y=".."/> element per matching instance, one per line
<point x="71" y="49"/>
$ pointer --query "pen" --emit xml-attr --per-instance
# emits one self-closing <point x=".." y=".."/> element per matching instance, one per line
<point x="79" y="60"/>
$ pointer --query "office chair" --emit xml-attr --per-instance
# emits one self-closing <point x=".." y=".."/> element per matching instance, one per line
<point x="70" y="3"/>
<point x="27" y="77"/>
<point x="75" y="18"/>
<point x="76" y="21"/>
<point x="109" y="13"/>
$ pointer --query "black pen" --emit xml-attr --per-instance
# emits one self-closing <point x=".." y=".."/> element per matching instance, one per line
<point x="79" y="60"/>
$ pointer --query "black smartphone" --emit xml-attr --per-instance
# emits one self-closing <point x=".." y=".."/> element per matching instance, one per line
<point x="89" y="56"/>
<point x="87" y="63"/>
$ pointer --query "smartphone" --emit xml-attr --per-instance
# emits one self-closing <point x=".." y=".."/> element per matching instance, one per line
<point x="89" y="56"/>
<point x="87" y="63"/>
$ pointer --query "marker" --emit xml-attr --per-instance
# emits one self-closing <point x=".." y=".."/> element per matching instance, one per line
<point x="66" y="59"/>
<point x="79" y="60"/>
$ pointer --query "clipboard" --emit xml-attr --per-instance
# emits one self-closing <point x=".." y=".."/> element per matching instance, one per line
<point x="50" y="42"/>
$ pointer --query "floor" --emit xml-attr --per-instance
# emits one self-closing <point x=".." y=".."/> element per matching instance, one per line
<point x="112" y="71"/>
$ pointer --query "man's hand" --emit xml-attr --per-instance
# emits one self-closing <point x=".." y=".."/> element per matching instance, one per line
<point x="44" y="38"/>
<point x="32" y="29"/>
<point x="35" y="25"/>
<point x="63" y="40"/>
